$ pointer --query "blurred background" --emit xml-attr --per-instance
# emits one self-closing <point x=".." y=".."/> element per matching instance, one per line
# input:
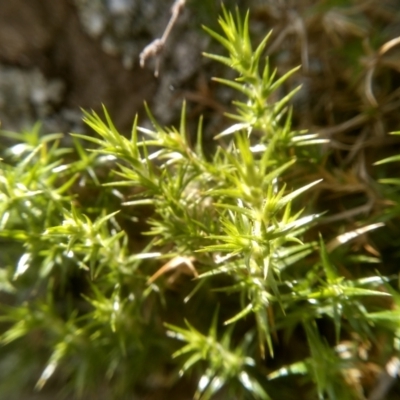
<point x="59" y="56"/>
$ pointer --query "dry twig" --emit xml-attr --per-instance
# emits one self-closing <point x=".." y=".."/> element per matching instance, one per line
<point x="181" y="263"/>
<point x="155" y="48"/>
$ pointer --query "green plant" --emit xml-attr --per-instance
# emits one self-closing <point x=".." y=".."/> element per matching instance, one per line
<point x="88" y="300"/>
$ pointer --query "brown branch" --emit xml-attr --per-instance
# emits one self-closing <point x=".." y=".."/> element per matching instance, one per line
<point x="155" y="48"/>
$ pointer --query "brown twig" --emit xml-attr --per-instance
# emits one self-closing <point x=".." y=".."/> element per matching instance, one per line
<point x="370" y="73"/>
<point x="155" y="48"/>
<point x="182" y="263"/>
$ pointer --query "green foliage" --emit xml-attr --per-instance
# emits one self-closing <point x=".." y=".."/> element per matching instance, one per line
<point x="92" y="236"/>
<point x="223" y="364"/>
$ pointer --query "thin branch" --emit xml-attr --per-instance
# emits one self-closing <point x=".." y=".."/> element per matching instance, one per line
<point x="370" y="73"/>
<point x="155" y="48"/>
